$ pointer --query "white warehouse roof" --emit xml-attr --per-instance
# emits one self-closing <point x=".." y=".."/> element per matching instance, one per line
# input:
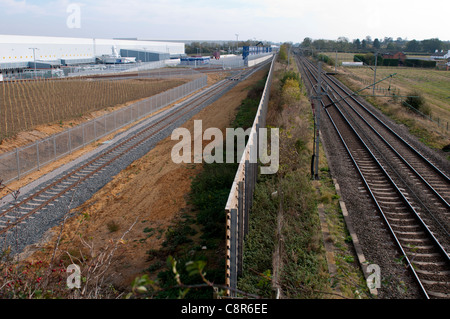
<point x="17" y="49"/>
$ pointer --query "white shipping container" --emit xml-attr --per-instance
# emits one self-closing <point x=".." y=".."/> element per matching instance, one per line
<point x="352" y="64"/>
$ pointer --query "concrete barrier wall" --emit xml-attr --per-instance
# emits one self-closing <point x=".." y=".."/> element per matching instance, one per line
<point x="241" y="194"/>
<point x="259" y="60"/>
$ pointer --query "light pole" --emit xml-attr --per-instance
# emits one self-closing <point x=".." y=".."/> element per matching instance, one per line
<point x="237" y="43"/>
<point x="317" y="98"/>
<point x="375" y="72"/>
<point x="34" y="57"/>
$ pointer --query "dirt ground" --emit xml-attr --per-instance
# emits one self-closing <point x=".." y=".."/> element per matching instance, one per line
<point x="151" y="192"/>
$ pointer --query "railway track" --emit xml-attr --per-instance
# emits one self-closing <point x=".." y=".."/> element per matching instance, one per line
<point x="16" y="213"/>
<point x="411" y="193"/>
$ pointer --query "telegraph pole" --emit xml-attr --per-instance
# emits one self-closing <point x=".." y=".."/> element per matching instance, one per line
<point x="317" y="105"/>
<point x="335" y="62"/>
<point x="375" y="74"/>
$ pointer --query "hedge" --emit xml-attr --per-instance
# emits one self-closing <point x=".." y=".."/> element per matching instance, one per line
<point x="420" y="63"/>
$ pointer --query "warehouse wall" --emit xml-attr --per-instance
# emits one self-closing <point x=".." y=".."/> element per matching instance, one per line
<point x="14" y="49"/>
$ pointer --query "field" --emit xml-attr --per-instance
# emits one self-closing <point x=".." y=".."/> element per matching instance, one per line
<point x="432" y="85"/>
<point x="27" y="104"/>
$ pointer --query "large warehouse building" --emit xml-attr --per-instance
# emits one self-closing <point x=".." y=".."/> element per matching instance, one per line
<point x="19" y="52"/>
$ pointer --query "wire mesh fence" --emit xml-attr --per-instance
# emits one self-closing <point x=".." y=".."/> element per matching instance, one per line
<point x="241" y="194"/>
<point x="22" y="161"/>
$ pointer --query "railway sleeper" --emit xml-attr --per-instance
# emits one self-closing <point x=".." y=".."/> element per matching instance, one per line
<point x="443" y="274"/>
<point x="404" y="226"/>
<point x="410" y="233"/>
<point x="436" y="294"/>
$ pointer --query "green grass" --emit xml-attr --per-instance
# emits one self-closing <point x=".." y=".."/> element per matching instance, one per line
<point x="432" y="85"/>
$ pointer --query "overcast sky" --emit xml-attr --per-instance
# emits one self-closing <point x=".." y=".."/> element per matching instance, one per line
<point x="267" y="20"/>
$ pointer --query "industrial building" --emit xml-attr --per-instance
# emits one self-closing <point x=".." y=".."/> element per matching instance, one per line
<point x="146" y="56"/>
<point x="255" y="50"/>
<point x="22" y="52"/>
<point x="195" y="60"/>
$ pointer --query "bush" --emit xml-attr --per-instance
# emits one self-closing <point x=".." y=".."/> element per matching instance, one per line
<point x="368" y="59"/>
<point x="290" y="75"/>
<point x="326" y="59"/>
<point x="282" y="55"/>
<point x="417" y="101"/>
<point x="420" y="63"/>
<point x="390" y="62"/>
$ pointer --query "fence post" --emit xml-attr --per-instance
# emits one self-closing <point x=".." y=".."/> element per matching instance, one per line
<point x="54" y="146"/>
<point x="37" y="156"/>
<point x="18" y="163"/>
<point x="241" y="210"/>
<point x="233" y="250"/>
<point x="248" y="195"/>
<point x="70" y="141"/>
<point x="84" y="137"/>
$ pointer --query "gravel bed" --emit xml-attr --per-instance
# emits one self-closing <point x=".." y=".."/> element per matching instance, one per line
<point x="374" y="236"/>
<point x="375" y="240"/>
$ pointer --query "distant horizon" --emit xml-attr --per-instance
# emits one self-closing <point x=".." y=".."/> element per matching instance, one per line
<point x="206" y="40"/>
<point x="229" y="20"/>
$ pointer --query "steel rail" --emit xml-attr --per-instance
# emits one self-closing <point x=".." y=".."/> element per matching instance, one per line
<point x="399" y="192"/>
<point x="408" y="145"/>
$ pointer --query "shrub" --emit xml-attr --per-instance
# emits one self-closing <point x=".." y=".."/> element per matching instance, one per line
<point x="390" y="62"/>
<point x="417" y="101"/>
<point x="416" y="63"/>
<point x="290" y="75"/>
<point x="368" y="59"/>
<point x="326" y="59"/>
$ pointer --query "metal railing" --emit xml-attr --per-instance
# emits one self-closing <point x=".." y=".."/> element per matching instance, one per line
<point x="22" y="161"/>
<point x="241" y="195"/>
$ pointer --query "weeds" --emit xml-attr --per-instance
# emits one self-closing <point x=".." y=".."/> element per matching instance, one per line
<point x="47" y="278"/>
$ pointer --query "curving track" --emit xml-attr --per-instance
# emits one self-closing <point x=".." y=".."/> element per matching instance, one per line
<point x="411" y="193"/>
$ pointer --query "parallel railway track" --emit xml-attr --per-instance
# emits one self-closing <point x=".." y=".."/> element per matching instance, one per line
<point x="18" y="212"/>
<point x="411" y="194"/>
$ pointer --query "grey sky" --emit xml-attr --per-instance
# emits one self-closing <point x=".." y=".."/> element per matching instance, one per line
<point x="278" y="21"/>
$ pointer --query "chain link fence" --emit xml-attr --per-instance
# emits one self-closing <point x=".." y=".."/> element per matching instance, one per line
<point x="22" y="161"/>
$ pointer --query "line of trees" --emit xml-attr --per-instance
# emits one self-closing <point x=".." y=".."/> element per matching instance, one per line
<point x="343" y="44"/>
<point x="207" y="48"/>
